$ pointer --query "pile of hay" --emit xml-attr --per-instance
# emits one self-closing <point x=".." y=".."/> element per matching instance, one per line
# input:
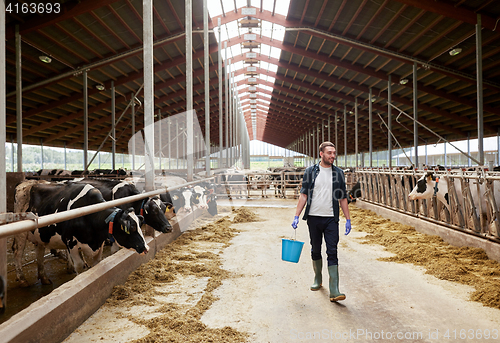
<point x="244" y="215"/>
<point x="469" y="266"/>
<point x="182" y="258"/>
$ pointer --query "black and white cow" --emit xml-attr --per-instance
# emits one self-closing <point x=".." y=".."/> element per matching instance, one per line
<point x="152" y="209"/>
<point x="181" y="198"/>
<point x="85" y="234"/>
<point x="429" y="185"/>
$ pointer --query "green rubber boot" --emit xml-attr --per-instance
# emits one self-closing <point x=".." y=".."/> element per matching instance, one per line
<point x="335" y="295"/>
<point x="318" y="278"/>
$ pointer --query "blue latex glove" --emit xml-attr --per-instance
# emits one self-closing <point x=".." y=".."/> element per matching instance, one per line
<point x="347" y="227"/>
<point x="295" y="222"/>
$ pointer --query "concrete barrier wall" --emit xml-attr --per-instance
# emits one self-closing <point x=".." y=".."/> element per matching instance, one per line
<point x="55" y="316"/>
<point x="453" y="237"/>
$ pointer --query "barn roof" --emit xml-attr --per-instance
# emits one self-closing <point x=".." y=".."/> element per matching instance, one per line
<point x="331" y="54"/>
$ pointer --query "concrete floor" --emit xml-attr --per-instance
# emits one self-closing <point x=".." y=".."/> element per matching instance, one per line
<point x="385" y="301"/>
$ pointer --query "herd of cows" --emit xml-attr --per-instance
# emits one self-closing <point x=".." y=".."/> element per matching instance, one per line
<point x="83" y="238"/>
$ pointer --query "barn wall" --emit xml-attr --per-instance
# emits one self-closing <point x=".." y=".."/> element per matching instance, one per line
<point x="453" y="237"/>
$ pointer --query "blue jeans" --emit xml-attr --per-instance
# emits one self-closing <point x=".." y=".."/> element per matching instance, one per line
<point x="327" y="226"/>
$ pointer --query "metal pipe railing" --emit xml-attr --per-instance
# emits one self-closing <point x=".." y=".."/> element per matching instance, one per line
<point x="26" y="225"/>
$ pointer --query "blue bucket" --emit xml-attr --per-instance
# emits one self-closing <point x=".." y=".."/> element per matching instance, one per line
<point x="290" y="250"/>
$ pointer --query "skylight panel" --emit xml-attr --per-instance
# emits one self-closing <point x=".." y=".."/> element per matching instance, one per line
<point x="235" y="50"/>
<point x="281" y="7"/>
<point x="265" y="49"/>
<point x="275" y="53"/>
<point x="228" y="5"/>
<point x="267" y="88"/>
<point x="241" y="3"/>
<point x="267" y="28"/>
<point x="278" y="32"/>
<point x="214" y="8"/>
<point x="266" y="95"/>
<point x="238" y="78"/>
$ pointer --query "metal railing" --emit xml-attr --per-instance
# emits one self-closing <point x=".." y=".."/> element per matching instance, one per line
<point x="27" y="225"/>
<point x="477" y="216"/>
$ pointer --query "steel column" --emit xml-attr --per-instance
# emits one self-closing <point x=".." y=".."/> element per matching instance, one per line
<point x="189" y="88"/>
<point x="479" y="78"/>
<point x="356" y="128"/>
<point x="41" y="151"/>
<point x="3" y="177"/>
<point x="323" y="129"/>
<point x="226" y="98"/>
<point x="160" y="135"/>
<point x="65" y="157"/>
<point x="85" y="121"/>
<point x="370" y="129"/>
<point x="113" y="127"/>
<point x="415" y="114"/>
<point x="207" y="87"/>
<point x="389" y="121"/>
<point x="19" y="102"/>
<point x="133" y="132"/>
<point x="219" y="52"/>
<point x="345" y="137"/>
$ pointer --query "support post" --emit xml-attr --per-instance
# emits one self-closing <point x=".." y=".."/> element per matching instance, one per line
<point x="207" y="87"/>
<point x="19" y="102"/>
<point x="415" y="113"/>
<point x="221" y="143"/>
<point x="3" y="177"/>
<point x="370" y="129"/>
<point x="113" y="128"/>
<point x="479" y="78"/>
<point x="345" y="137"/>
<point x="189" y="89"/>
<point x="389" y="121"/>
<point x="65" y="157"/>
<point x="356" y="129"/>
<point x="133" y="132"/>
<point x="85" y="121"/>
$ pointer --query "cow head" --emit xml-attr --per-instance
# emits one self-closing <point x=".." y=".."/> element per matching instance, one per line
<point x="181" y="198"/>
<point x="154" y="212"/>
<point x="199" y="197"/>
<point x="127" y="231"/>
<point x="424" y="188"/>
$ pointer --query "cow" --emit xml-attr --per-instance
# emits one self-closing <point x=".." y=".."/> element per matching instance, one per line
<point x="354" y="193"/>
<point x="235" y="183"/>
<point x="181" y="199"/>
<point x="152" y="209"/>
<point x="199" y="198"/>
<point x="85" y="234"/>
<point x="429" y="185"/>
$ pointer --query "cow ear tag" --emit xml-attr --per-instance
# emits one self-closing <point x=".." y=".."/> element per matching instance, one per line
<point x="168" y="208"/>
<point x="126" y="230"/>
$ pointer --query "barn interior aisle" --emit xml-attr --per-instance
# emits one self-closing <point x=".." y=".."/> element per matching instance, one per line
<point x="259" y="298"/>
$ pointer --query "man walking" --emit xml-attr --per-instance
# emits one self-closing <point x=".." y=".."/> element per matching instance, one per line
<point x="323" y="189"/>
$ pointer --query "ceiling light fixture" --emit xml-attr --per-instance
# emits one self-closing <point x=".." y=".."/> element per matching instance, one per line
<point x="455" y="51"/>
<point x="374" y="99"/>
<point x="45" y="59"/>
<point x="100" y="87"/>
<point x="403" y="81"/>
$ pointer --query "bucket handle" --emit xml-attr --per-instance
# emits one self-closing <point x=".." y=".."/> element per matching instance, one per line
<point x="294" y="237"/>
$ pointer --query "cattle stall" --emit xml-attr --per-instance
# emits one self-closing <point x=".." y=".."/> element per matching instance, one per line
<point x="472" y="197"/>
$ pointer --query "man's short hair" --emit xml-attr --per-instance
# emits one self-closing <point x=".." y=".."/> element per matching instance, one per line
<point x="323" y="145"/>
